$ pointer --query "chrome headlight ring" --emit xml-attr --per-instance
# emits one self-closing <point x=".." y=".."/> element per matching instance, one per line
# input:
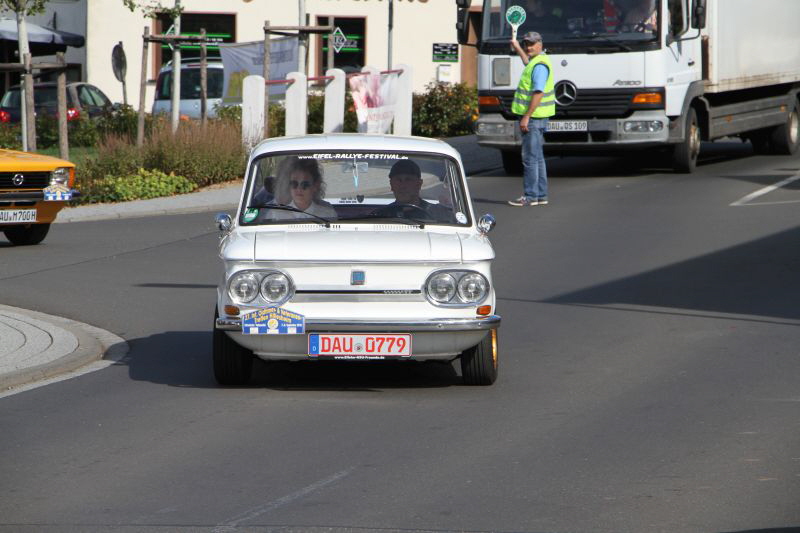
<point x="59" y="176"/>
<point x="270" y="287"/>
<point x="456" y="288"/>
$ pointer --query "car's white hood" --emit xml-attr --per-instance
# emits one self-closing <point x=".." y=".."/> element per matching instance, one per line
<point x="380" y="246"/>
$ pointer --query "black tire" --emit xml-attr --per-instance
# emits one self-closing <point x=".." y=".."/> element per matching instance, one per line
<point x="479" y="363"/>
<point x="512" y="162"/>
<point x="785" y="139"/>
<point x="761" y="142"/>
<point x="233" y="365"/>
<point x="684" y="155"/>
<point x="27" y="235"/>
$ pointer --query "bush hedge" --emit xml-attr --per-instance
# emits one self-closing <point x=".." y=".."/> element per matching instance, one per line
<point x="200" y="155"/>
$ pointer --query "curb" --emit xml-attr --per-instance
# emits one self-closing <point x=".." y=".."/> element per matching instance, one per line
<point x="94" y="345"/>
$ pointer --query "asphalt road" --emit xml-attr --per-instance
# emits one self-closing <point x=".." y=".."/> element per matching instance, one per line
<point x="648" y="381"/>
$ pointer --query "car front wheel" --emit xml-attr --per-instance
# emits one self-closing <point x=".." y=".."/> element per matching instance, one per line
<point x="233" y="365"/>
<point x="479" y="363"/>
<point x="26" y="235"/>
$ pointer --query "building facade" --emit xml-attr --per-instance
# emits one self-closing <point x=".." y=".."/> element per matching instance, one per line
<point x="423" y="36"/>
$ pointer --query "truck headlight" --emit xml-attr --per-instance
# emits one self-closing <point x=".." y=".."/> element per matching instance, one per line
<point x="243" y="287"/>
<point x="457" y="288"/>
<point x="59" y="176"/>
<point x="643" y="126"/>
<point x="495" y="128"/>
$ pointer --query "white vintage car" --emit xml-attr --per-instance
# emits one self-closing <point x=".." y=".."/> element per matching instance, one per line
<point x="355" y="247"/>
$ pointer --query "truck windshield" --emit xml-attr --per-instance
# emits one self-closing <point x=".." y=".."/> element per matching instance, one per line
<point x="573" y="21"/>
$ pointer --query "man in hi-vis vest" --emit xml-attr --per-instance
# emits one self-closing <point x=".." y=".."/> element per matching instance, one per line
<point x="535" y="102"/>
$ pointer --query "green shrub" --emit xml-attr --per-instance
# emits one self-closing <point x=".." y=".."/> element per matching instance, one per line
<point x="141" y="185"/>
<point x="11" y="136"/>
<point x="445" y="110"/>
<point x="121" y="120"/>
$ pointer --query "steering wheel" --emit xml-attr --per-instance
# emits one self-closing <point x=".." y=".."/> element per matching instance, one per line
<point x="400" y="210"/>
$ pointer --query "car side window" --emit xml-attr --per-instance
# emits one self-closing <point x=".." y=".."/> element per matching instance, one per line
<point x="99" y="98"/>
<point x="84" y="97"/>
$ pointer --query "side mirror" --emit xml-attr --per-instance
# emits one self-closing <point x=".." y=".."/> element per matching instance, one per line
<point x="224" y="222"/>
<point x="699" y="14"/>
<point x="486" y="224"/>
<point x="462" y="25"/>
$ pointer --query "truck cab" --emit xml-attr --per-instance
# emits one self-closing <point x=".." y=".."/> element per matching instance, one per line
<point x="630" y="75"/>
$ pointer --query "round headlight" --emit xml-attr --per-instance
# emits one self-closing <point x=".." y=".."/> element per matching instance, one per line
<point x="60" y="176"/>
<point x="275" y="287"/>
<point x="243" y="287"/>
<point x="472" y="288"/>
<point x="442" y="287"/>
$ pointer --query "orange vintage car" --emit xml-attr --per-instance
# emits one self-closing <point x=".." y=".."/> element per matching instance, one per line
<point x="33" y="189"/>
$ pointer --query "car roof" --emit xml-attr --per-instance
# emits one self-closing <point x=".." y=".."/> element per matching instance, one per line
<point x="355" y="142"/>
<point x="48" y="84"/>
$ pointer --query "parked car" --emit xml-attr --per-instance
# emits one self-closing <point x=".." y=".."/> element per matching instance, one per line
<point x="82" y="99"/>
<point x="190" y="89"/>
<point x="356" y="248"/>
<point x="33" y="189"/>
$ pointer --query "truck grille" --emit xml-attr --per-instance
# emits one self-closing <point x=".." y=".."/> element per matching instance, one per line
<point x="590" y="103"/>
<point x="31" y="180"/>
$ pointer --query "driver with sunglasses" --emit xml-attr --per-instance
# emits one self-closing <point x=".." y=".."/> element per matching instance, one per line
<point x="307" y="190"/>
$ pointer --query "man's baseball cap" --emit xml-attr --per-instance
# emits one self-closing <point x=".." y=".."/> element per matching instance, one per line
<point x="531" y="37"/>
<point x="405" y="166"/>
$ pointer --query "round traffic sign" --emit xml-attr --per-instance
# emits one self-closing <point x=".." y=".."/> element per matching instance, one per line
<point x="515" y="16"/>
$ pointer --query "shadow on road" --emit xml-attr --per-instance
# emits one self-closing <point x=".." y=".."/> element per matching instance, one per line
<point x="183" y="359"/>
<point x="637" y="163"/>
<point x="757" y="278"/>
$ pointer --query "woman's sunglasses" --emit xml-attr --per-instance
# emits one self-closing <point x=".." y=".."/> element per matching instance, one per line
<point x="300" y="184"/>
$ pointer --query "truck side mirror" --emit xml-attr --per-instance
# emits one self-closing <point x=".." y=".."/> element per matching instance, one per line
<point x="462" y="24"/>
<point x="699" y="14"/>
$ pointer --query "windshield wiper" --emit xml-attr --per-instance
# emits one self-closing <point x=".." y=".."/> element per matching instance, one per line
<point x="599" y="37"/>
<point x="320" y="220"/>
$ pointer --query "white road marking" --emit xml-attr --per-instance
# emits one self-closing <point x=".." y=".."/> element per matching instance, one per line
<point x="766" y="190"/>
<point x="231" y="524"/>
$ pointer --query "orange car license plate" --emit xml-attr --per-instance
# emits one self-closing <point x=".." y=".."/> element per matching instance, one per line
<point x="359" y="345"/>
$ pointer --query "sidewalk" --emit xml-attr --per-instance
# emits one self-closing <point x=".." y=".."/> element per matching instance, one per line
<point x="35" y="347"/>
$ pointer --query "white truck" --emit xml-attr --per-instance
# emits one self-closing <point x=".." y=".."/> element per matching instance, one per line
<point x="695" y="70"/>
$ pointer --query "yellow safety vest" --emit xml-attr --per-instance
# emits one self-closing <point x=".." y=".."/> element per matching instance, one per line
<point x="522" y="98"/>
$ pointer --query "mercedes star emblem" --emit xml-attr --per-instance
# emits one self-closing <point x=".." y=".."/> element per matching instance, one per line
<point x="18" y="179"/>
<point x="566" y="93"/>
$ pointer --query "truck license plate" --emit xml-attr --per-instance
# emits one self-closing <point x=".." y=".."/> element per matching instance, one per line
<point x="567" y="125"/>
<point x="17" y="216"/>
<point x="359" y="346"/>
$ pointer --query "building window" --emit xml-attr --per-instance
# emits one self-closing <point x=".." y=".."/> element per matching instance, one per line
<point x="351" y="57"/>
<point x="220" y="28"/>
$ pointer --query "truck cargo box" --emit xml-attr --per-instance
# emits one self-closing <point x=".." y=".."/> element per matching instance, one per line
<point x="749" y="43"/>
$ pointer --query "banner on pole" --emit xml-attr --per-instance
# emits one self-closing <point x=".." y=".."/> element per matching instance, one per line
<point x="245" y="59"/>
<point x="374" y="96"/>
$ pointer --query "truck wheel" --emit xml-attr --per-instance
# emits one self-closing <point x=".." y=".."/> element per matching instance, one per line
<point x="785" y="138"/>
<point x="512" y="162"/>
<point x="233" y="365"/>
<point x="479" y="363"/>
<point x="25" y="235"/>
<point x="684" y="155"/>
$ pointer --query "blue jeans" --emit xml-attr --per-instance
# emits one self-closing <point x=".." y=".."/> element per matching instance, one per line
<point x="534" y="176"/>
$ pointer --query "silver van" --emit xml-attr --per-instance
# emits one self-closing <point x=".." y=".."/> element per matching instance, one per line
<point x="190" y="89"/>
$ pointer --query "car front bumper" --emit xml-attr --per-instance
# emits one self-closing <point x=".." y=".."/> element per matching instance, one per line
<point x="433" y="339"/>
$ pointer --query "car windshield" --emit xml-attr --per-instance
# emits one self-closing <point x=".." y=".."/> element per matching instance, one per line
<point x="355" y="187"/>
<point x="190" y="84"/>
<point x="562" y="21"/>
<point x="42" y="96"/>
